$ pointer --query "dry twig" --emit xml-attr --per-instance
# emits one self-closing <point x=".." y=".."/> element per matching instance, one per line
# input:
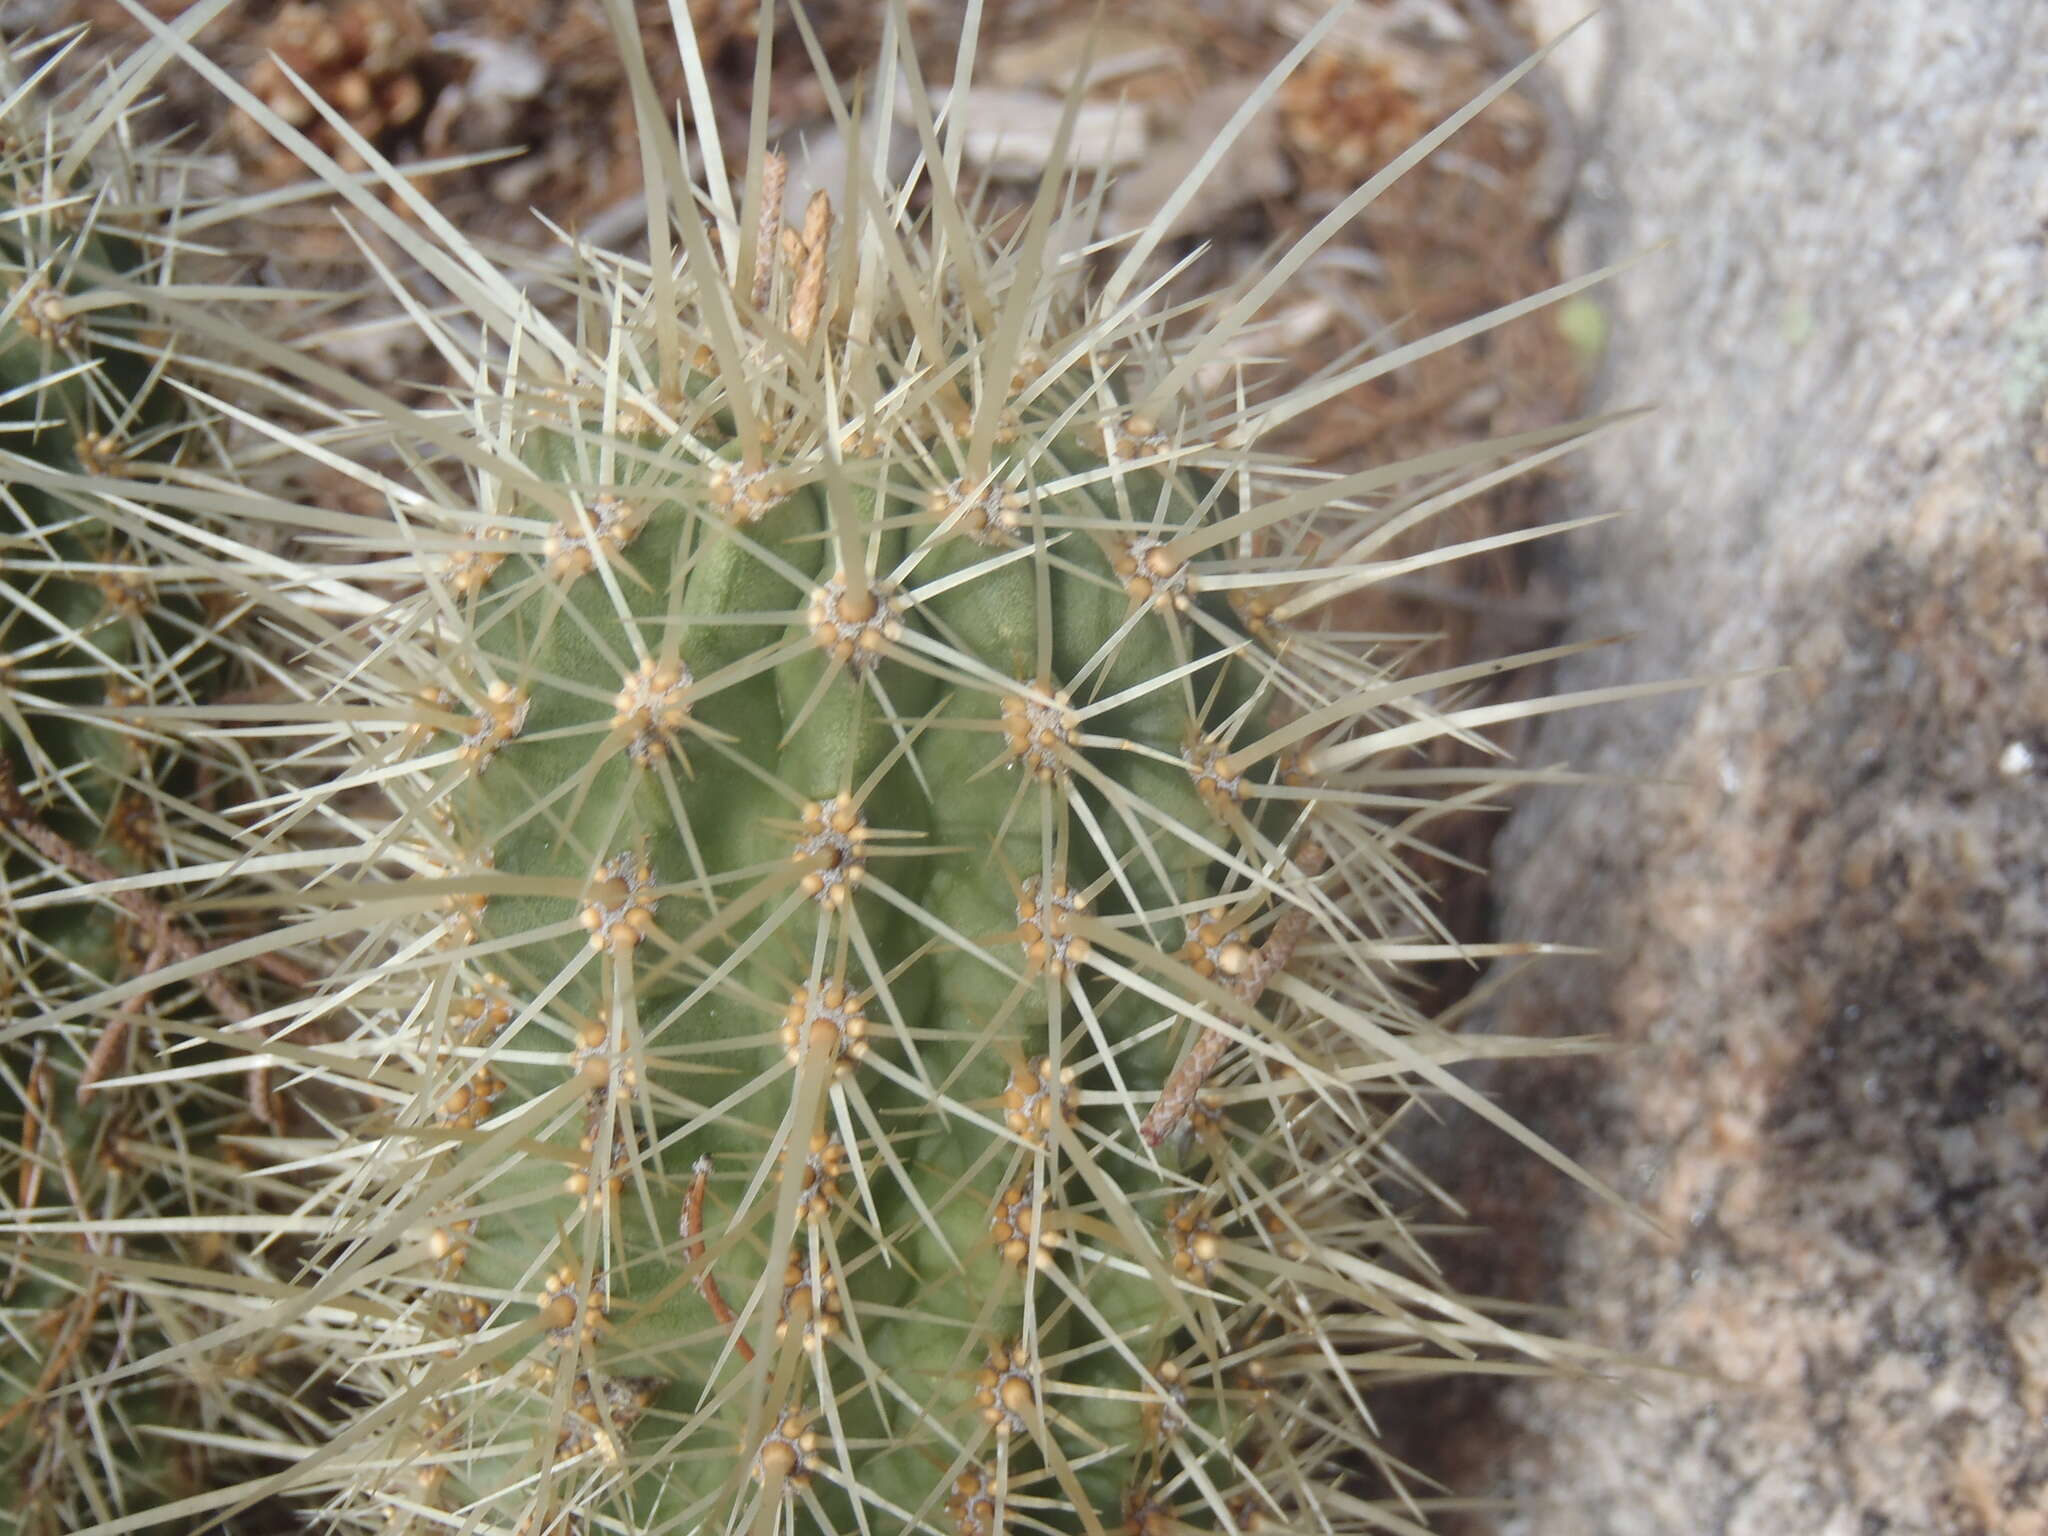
<point x="693" y="1250"/>
<point x="1207" y="1052"/>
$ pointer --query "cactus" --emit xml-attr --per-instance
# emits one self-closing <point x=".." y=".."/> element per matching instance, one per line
<point x="113" y="623"/>
<point x="82" y="630"/>
<point x="875" y="878"/>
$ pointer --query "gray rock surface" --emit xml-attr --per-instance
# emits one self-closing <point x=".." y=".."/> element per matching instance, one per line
<point x="1827" y="949"/>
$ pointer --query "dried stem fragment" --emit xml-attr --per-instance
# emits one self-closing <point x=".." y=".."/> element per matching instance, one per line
<point x="693" y="1251"/>
<point x="1209" y="1047"/>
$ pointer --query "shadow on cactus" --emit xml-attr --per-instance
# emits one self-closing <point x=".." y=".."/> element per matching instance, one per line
<point x="877" y="877"/>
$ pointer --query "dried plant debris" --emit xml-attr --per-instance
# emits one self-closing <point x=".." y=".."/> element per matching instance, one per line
<point x="370" y="61"/>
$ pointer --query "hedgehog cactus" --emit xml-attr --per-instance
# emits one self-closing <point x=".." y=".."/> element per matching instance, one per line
<point x="103" y="620"/>
<point x="869" y="804"/>
<point x="877" y="979"/>
<point x="82" y="630"/>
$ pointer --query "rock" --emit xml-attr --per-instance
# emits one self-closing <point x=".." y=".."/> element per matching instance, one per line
<point x="1253" y="167"/>
<point x="1012" y="133"/>
<point x="1827" y="950"/>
